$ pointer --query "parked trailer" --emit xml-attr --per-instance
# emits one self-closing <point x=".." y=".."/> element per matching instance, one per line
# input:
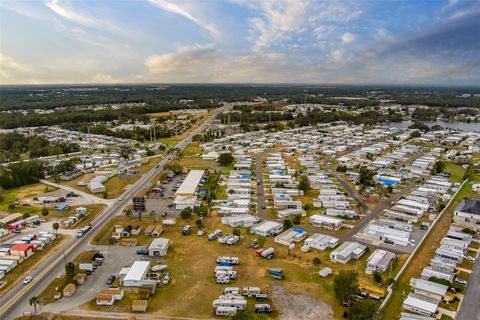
<point x="268" y="253"/>
<point x="223" y="280"/>
<point x="215" y="234"/>
<point x="230" y="260"/>
<point x="251" y="291"/>
<point x="86" y="267"/>
<point x="230" y="274"/>
<point x="231" y="290"/>
<point x="231" y="297"/>
<point x="17" y="225"/>
<point x="225" y="311"/>
<point x="238" y="304"/>
<point x="263" y="308"/>
<point x="222" y="268"/>
<point x="232" y="240"/>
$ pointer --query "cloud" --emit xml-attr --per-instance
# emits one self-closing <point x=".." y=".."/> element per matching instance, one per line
<point x="177" y="9"/>
<point x="12" y="71"/>
<point x="348" y="37"/>
<point x="75" y="16"/>
<point x="103" y="78"/>
<point x="184" y="60"/>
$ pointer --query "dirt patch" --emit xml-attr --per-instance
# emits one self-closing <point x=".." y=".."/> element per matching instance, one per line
<point x="299" y="307"/>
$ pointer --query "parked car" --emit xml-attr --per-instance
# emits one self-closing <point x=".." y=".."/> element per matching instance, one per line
<point x="460" y="281"/>
<point x="27" y="280"/>
<point x="16" y="231"/>
<point x="186" y="230"/>
<point x="111" y="279"/>
<point x="166" y="279"/>
<point x="142" y="251"/>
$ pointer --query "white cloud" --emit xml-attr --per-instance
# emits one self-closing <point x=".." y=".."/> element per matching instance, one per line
<point x="177" y="9"/>
<point x="103" y="78"/>
<point x="348" y="37"/>
<point x="337" y="54"/>
<point x="184" y="60"/>
<point x="75" y="16"/>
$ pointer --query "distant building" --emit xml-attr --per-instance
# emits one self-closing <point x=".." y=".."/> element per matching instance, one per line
<point x="468" y="210"/>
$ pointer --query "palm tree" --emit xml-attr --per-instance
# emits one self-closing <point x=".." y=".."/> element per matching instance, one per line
<point x="34" y="301"/>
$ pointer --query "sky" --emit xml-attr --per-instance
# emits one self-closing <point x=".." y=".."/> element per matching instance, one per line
<point x="435" y="42"/>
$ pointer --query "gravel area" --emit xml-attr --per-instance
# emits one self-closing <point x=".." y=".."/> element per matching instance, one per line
<point x="299" y="307"/>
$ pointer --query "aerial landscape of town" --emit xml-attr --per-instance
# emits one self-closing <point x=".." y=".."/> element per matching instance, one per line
<point x="281" y="192"/>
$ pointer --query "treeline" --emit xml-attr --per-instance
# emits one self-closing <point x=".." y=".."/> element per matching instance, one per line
<point x="20" y="174"/>
<point x="31" y="119"/>
<point x="139" y="134"/>
<point x="369" y="117"/>
<point x="255" y="117"/>
<point x="440" y="101"/>
<point x="13" y="145"/>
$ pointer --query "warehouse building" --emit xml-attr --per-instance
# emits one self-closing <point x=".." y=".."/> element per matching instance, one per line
<point x="158" y="247"/>
<point x="190" y="184"/>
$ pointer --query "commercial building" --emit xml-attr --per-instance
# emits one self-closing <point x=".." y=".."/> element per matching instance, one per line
<point x="190" y="184"/>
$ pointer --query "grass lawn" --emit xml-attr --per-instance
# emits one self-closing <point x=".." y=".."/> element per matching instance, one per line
<point x="192" y="149"/>
<point x="197" y="163"/>
<point x="191" y="260"/>
<point x="21" y="193"/>
<point x="425" y="253"/>
<point x="456" y="172"/>
<point x="21" y="271"/>
<point x="61" y="282"/>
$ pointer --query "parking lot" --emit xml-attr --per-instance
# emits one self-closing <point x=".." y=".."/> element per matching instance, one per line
<point x="163" y="206"/>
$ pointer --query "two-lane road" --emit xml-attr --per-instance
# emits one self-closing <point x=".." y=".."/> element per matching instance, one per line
<point x="15" y="301"/>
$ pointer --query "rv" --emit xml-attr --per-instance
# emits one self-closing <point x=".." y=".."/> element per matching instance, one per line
<point x="226" y="311"/>
<point x="230" y="260"/>
<point x="263" y="308"/>
<point x="215" y="234"/>
<point x="251" y="291"/>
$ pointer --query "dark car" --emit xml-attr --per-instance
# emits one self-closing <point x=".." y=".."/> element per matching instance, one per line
<point x="111" y="279"/>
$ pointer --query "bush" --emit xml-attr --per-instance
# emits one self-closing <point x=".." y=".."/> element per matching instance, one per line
<point x="342" y="168"/>
<point x="287" y="224"/>
<point x="296" y="219"/>
<point x="186" y="213"/>
<point x="316" y="261"/>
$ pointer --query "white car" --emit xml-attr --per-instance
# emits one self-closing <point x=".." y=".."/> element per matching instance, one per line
<point x="27" y="280"/>
<point x="166" y="279"/>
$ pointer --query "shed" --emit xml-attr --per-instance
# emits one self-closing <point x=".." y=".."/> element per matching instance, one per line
<point x="22" y="250"/>
<point x="139" y="305"/>
<point x="159" y="247"/>
<point x="69" y="290"/>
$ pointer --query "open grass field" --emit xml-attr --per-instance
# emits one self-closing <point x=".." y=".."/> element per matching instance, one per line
<point x="425" y="253"/>
<point x="21" y="193"/>
<point x="192" y="149"/>
<point x="456" y="172"/>
<point x="191" y="260"/>
<point x="197" y="163"/>
<point x="22" y="270"/>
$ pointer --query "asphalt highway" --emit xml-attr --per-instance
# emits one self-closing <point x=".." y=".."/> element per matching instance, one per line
<point x="15" y="301"/>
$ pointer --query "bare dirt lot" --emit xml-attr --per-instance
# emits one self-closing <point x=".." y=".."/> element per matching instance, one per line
<point x="299" y="307"/>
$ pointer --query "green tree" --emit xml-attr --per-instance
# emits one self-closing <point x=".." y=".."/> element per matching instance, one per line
<point x="345" y="284"/>
<point x="11" y="206"/>
<point x="304" y="184"/>
<point x="199" y="223"/>
<point x="55" y="226"/>
<point x="316" y="261"/>
<point x="279" y="185"/>
<point x="415" y="134"/>
<point x="70" y="269"/>
<point x="33" y="301"/>
<point x="377" y="276"/>
<point x="366" y="309"/>
<point x="45" y="212"/>
<point x="236" y="232"/>
<point x="287" y="224"/>
<point x="226" y="159"/>
<point x="296" y="219"/>
<point x="105" y="194"/>
<point x="342" y="168"/>
<point x="186" y="213"/>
